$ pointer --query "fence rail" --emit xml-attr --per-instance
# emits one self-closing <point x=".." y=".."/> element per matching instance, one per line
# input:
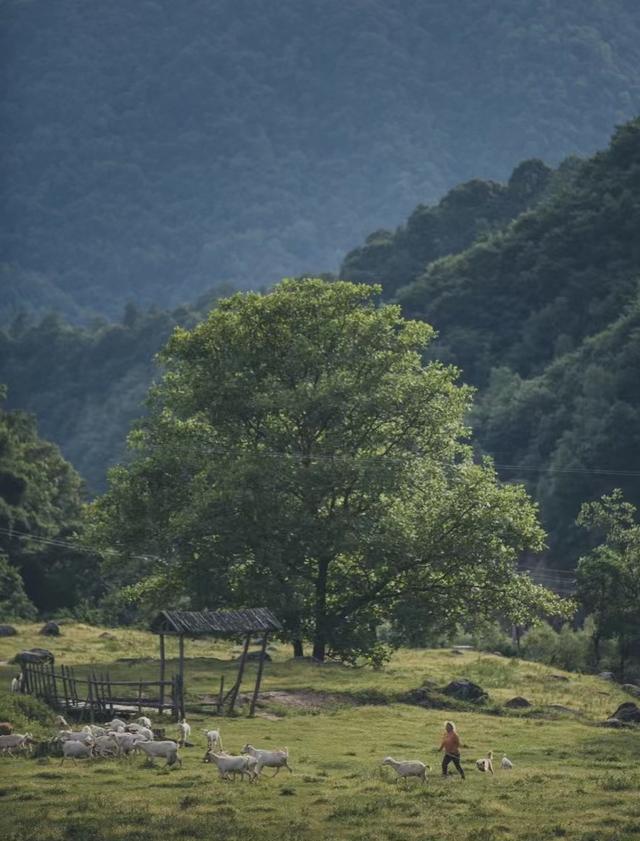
<point x="96" y="696"/>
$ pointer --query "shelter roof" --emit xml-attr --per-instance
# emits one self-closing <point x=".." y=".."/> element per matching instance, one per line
<point x="219" y="622"/>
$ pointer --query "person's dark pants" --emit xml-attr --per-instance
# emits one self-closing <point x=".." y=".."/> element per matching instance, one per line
<point x="448" y="757"/>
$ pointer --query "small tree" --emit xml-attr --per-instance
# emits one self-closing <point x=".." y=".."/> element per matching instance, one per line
<point x="14" y="602"/>
<point x="298" y="453"/>
<point x="609" y="576"/>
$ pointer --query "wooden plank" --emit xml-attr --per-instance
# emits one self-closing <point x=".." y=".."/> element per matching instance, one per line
<point x="236" y="686"/>
<point x="162" y="670"/>
<point x="263" y="652"/>
<point x="181" y="674"/>
<point x="221" y="696"/>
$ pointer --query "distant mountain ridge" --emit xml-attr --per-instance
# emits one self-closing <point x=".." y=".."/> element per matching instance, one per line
<point x="152" y="150"/>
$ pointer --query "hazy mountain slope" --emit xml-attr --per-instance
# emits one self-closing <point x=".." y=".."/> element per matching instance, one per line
<point x="152" y="149"/>
<point x="86" y="386"/>
<point x="466" y="213"/>
<point x="558" y="274"/>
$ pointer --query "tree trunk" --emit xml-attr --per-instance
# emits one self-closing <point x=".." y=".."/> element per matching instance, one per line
<point x="298" y="650"/>
<point x="596" y="649"/>
<point x="320" y="635"/>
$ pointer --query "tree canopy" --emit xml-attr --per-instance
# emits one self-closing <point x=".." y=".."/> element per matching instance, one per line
<point x="298" y="452"/>
<point x="609" y="575"/>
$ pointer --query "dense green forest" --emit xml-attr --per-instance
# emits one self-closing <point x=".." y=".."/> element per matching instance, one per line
<point x="87" y="385"/>
<point x="154" y="149"/>
<point x="543" y="317"/>
<point x="40" y="509"/>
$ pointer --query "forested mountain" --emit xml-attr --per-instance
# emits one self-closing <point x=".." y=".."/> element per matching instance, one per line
<point x="469" y="212"/>
<point x="153" y="149"/>
<point x="86" y="385"/>
<point x="543" y="316"/>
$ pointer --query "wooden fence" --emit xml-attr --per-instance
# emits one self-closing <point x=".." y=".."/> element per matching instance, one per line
<point x="96" y="697"/>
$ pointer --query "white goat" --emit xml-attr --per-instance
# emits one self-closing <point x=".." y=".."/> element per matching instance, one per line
<point x="16" y="684"/>
<point x="184" y="731"/>
<point x="15" y="741"/>
<point x="506" y="763"/>
<point x="485" y="764"/>
<point x="160" y="750"/>
<point x="127" y="742"/>
<point x="269" y="758"/>
<point x="115" y="724"/>
<point x="76" y="750"/>
<point x="106" y="746"/>
<point x="407" y="767"/>
<point x="227" y="764"/>
<point x="94" y="730"/>
<point x="73" y="736"/>
<point x="144" y="721"/>
<point x="214" y="739"/>
<point x="61" y="721"/>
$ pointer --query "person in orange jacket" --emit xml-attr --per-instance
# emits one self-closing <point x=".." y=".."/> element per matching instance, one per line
<point x="451" y="747"/>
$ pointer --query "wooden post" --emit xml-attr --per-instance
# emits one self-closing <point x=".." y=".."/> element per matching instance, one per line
<point x="110" y="694"/>
<point x="221" y="696"/>
<point x="263" y="652"/>
<point x="90" y="699"/>
<point x="140" y="698"/>
<point x="162" y="670"/>
<point x="64" y="688"/>
<point x="181" y="674"/>
<point x="234" y="691"/>
<point x="54" y="682"/>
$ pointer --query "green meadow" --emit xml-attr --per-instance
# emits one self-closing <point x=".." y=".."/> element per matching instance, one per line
<point x="571" y="778"/>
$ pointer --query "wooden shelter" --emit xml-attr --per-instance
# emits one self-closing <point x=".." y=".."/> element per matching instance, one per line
<point x="223" y="623"/>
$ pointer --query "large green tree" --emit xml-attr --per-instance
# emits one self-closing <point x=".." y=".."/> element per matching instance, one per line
<point x="299" y="453"/>
<point x="609" y="575"/>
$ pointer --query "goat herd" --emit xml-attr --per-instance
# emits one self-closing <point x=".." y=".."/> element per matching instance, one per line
<point x="119" y="739"/>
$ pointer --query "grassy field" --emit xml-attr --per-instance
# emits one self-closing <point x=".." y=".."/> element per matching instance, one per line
<point x="571" y="778"/>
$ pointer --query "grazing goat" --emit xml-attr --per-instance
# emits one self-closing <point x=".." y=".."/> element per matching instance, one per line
<point x="160" y="750"/>
<point x="73" y="736"/>
<point x="233" y="765"/>
<point x="61" y="721"/>
<point x="106" y="746"/>
<point x="407" y="767"/>
<point x="269" y="758"/>
<point x="15" y="741"/>
<point x="506" y="763"/>
<point x="485" y="764"/>
<point x="76" y="750"/>
<point x="16" y="683"/>
<point x="144" y="721"/>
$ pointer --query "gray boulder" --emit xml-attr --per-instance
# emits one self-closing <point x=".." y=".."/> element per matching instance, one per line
<point x="628" y="712"/>
<point x="465" y="690"/>
<point x="255" y="656"/>
<point x="607" y="676"/>
<point x="517" y="703"/>
<point x="632" y="689"/>
<point x="7" y="631"/>
<point x="34" y="655"/>
<point x="50" y="629"/>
